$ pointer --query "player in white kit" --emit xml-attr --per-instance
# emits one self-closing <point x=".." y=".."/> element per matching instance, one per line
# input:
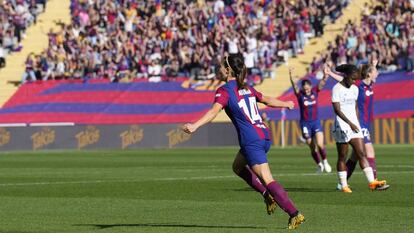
<point x="347" y="130"/>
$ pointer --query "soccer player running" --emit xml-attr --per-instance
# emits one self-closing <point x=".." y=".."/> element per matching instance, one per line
<point x="309" y="121"/>
<point x="347" y="130"/>
<point x="369" y="74"/>
<point x="240" y="104"/>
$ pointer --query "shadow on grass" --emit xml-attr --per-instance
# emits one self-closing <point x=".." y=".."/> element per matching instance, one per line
<point x="162" y="225"/>
<point x="293" y="190"/>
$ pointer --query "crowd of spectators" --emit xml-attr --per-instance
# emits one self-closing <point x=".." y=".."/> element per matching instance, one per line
<point x="385" y="33"/>
<point x="15" y="17"/>
<point x="118" y="39"/>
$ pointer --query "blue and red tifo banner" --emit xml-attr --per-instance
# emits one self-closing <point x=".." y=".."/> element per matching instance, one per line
<point x="101" y="102"/>
<point x="105" y="103"/>
<point x="393" y="98"/>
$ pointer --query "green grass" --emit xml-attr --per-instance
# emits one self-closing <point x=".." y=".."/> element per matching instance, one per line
<point x="193" y="190"/>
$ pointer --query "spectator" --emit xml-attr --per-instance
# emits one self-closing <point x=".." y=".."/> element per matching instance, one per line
<point x="15" y="17"/>
<point x="2" y="56"/>
<point x="386" y="33"/>
<point x="116" y="39"/>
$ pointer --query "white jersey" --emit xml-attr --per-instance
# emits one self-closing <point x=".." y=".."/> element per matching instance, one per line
<point x="346" y="97"/>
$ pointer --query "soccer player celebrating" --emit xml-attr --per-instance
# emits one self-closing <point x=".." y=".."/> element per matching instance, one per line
<point x="240" y="104"/>
<point x="346" y="128"/>
<point x="365" y="101"/>
<point x="309" y="121"/>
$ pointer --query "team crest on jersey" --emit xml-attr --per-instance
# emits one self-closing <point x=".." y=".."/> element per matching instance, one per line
<point x="312" y="97"/>
<point x="369" y="93"/>
<point x="245" y="92"/>
<point x="307" y="103"/>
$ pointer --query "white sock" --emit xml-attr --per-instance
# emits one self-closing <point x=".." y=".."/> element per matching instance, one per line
<point x="320" y="164"/>
<point x="342" y="178"/>
<point x="369" y="173"/>
<point x="325" y="161"/>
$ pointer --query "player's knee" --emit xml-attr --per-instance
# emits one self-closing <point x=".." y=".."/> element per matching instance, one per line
<point x="362" y="154"/>
<point x="321" y="146"/>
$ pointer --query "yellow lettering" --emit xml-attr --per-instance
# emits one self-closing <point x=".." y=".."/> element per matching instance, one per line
<point x="4" y="136"/>
<point x="401" y="123"/>
<point x="296" y="133"/>
<point x="388" y="131"/>
<point x="90" y="136"/>
<point x="276" y="132"/>
<point x="177" y="136"/>
<point x="286" y="136"/>
<point x="377" y="131"/>
<point x="131" y="136"/>
<point x="43" y="138"/>
<point x="411" y="131"/>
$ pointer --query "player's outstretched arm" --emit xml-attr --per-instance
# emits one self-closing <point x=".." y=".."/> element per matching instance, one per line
<point x="275" y="103"/>
<point x="328" y="72"/>
<point x="293" y="81"/>
<point x="338" y="112"/>
<point x="206" y="118"/>
<point x="322" y="83"/>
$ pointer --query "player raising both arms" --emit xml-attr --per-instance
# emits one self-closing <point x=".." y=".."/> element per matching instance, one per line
<point x="365" y="101"/>
<point x="309" y="121"/>
<point x="346" y="128"/>
<point x="240" y="104"/>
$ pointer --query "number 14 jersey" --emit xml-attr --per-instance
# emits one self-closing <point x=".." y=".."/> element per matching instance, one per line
<point x="241" y="107"/>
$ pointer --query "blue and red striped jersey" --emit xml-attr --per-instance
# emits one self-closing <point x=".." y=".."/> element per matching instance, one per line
<point x="365" y="103"/>
<point x="241" y="107"/>
<point x="308" y="105"/>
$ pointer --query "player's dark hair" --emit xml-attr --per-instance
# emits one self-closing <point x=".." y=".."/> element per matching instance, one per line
<point x="306" y="81"/>
<point x="365" y="70"/>
<point x="237" y="67"/>
<point x="351" y="72"/>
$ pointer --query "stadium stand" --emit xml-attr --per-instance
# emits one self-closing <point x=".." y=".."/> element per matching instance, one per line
<point x="57" y="11"/>
<point x="15" y="18"/>
<point x="105" y="38"/>
<point x="386" y="33"/>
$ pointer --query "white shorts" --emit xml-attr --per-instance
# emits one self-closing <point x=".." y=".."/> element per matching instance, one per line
<point x="344" y="135"/>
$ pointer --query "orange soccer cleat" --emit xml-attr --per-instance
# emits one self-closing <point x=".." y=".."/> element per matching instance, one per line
<point x="378" y="185"/>
<point x="346" y="189"/>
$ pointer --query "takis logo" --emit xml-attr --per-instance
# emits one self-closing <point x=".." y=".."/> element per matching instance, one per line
<point x="132" y="136"/>
<point x="43" y="138"/>
<point x="87" y="137"/>
<point x="177" y="136"/>
<point x="4" y="136"/>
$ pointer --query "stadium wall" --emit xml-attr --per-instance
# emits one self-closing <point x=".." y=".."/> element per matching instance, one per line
<point x="384" y="131"/>
<point x="81" y="137"/>
<point x="113" y="137"/>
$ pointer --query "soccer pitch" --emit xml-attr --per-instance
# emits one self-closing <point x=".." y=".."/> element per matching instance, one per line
<point x="193" y="190"/>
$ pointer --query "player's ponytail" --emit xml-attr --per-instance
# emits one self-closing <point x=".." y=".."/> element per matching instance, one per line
<point x="238" y="69"/>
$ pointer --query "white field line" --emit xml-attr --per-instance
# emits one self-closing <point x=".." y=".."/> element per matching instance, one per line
<point x="176" y="178"/>
<point x="401" y="166"/>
